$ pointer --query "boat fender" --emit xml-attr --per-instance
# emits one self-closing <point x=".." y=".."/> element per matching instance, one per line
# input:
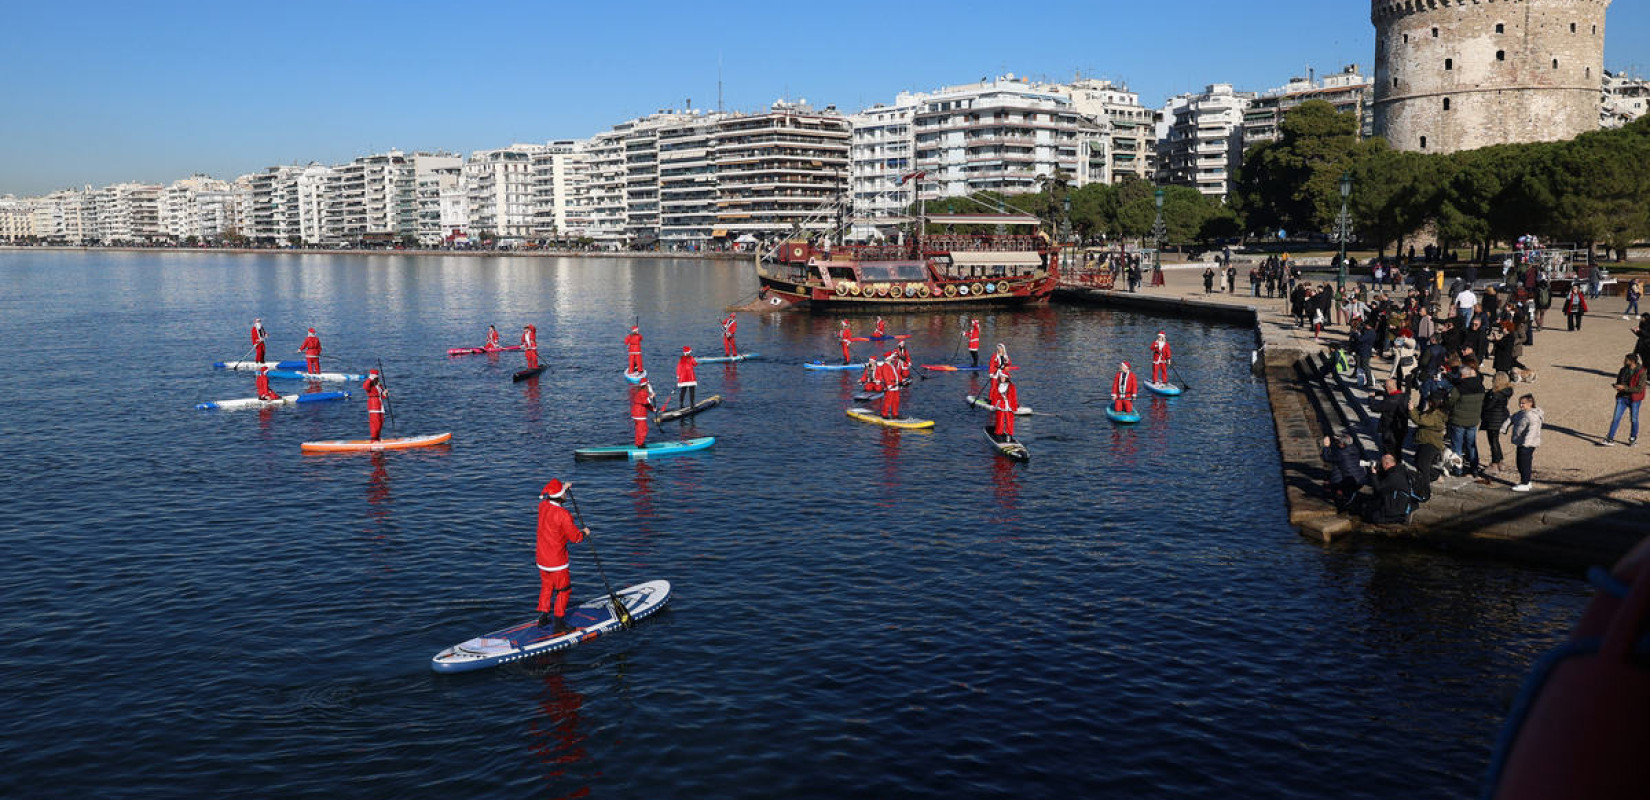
<point x="853" y="289"/>
<point x="991" y="288"/>
<point x="842" y="290"/>
<point x="975" y="289"/>
<point x="910" y="291"/>
<point x="950" y="290"/>
<point x="922" y="290"/>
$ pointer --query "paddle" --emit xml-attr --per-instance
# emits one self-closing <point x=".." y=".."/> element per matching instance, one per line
<point x="618" y="605"/>
<point x="1184" y="386"/>
<point x="384" y="386"/>
<point x="249" y="352"/>
<point x="660" y="410"/>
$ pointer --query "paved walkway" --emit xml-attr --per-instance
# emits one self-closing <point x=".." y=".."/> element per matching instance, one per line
<point x="1579" y="484"/>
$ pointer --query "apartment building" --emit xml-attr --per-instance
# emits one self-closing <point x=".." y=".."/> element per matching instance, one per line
<point x="780" y="171"/>
<point x="1129" y="129"/>
<point x="687" y="181"/>
<point x="443" y="207"/>
<point x="1348" y="91"/>
<point x="16" y="219"/>
<point x="880" y="157"/>
<point x="499" y="187"/>
<point x="1200" y="139"/>
<point x="1624" y="99"/>
<point x="128" y="213"/>
<point x="558" y="188"/>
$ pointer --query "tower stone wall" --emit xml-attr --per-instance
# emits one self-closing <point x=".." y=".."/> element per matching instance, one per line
<point x="1462" y="74"/>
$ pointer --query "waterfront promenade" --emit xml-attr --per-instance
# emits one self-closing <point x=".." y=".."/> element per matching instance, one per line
<point x="1588" y="505"/>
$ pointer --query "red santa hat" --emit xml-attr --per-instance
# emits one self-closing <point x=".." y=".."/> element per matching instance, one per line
<point x="635" y="329"/>
<point x="554" y="489"/>
<point x="311" y="330"/>
<point x="686" y="350"/>
<point x="1126" y="367"/>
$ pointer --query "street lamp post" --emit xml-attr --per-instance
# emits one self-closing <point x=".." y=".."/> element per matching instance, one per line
<point x="1159" y="233"/>
<point x="1343" y="228"/>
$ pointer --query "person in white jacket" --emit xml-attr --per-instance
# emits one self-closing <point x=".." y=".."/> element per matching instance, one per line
<point x="1525" y="427"/>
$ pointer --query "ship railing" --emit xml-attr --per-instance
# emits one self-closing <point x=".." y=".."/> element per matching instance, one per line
<point x="969" y="243"/>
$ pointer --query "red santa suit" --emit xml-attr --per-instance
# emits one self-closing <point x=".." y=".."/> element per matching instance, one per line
<point x="259" y="339"/>
<point x="264" y="392"/>
<point x="1123" y="388"/>
<point x="556" y="530"/>
<point x="1161" y="355"/>
<point x="1007" y="403"/>
<point x="641" y="410"/>
<point x="730" y="326"/>
<point x="311" y="348"/>
<point x="375" y="405"/>
<point x="530" y="345"/>
<point x="686" y="381"/>
<point x="902" y="360"/>
<point x="633" y="346"/>
<point x="847" y="336"/>
<point x="888" y="375"/>
<point x="996" y="370"/>
<point x="868" y="378"/>
<point x="492" y="338"/>
<point x="973" y="335"/>
<point x="882" y="328"/>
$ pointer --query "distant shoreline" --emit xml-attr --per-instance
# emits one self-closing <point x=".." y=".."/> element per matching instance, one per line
<point x="397" y="253"/>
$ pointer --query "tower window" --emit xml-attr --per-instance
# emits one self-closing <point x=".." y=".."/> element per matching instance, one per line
<point x="1394" y="83"/>
<point x="1589" y="72"/>
<point x="1500" y="27"/>
<point x="1423" y="142"/>
<point x="1500" y="55"/>
<point x="1446" y="104"/>
<point x="1434" y="33"/>
<point x="1555" y="63"/>
<point x="1406" y="38"/>
<point x="1572" y="27"/>
<point x="1449" y="63"/>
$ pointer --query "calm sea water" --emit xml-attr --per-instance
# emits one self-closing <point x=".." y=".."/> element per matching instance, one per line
<point x="193" y="608"/>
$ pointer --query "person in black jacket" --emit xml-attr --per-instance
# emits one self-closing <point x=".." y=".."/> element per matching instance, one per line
<point x="1394" y="495"/>
<point x="1346" y="473"/>
<point x="1494" y="413"/>
<point x="1393" y="405"/>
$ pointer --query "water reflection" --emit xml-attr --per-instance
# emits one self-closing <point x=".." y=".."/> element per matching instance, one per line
<point x="555" y="739"/>
<point x="378" y="489"/>
<point x="641" y="492"/>
<point x="534" y="410"/>
<point x="1005" y="484"/>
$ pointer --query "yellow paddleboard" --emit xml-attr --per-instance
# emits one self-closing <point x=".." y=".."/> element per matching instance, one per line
<point x="907" y="423"/>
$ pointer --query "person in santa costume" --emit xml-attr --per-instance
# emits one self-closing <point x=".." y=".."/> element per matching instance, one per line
<point x="633" y="347"/>
<point x="556" y="530"/>
<point x="311" y="348"/>
<point x="641" y="407"/>
<point x="888" y="376"/>
<point x="1008" y="401"/>
<point x="374" y="387"/>
<point x="730" y="326"/>
<point x="847" y="336"/>
<point x="530" y="345"/>
<point x="264" y="392"/>
<point x="259" y="339"/>
<point x="1124" y="387"/>
<point x="1162" y="356"/>
<point x="687" y="384"/>
<point x="973" y="337"/>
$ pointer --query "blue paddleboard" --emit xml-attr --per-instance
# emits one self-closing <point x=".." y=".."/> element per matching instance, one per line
<point x="1165" y="389"/>
<point x="721" y="359"/>
<point x="1121" y="418"/>
<point x="652" y="450"/>
<point x="825" y="366"/>
<point x="589" y="620"/>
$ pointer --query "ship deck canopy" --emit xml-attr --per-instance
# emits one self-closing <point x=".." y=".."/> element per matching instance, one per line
<point x="984" y="219"/>
<point x="992" y="258"/>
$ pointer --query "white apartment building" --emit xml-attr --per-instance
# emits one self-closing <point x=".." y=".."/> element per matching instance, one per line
<point x="687" y="181"/>
<point x="16" y="219"/>
<point x="499" y="187"/>
<point x="443" y="207"/>
<point x="128" y="213"/>
<point x="880" y="155"/>
<point x="558" y="187"/>
<point x="264" y="219"/>
<point x="370" y="200"/>
<point x="1349" y="91"/>
<point x="198" y="206"/>
<point x="1130" y="129"/>
<point x="1624" y="99"/>
<point x="1200" y="139"/>
<point x="780" y="171"/>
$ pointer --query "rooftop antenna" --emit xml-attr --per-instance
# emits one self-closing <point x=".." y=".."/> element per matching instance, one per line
<point x="719" y="109"/>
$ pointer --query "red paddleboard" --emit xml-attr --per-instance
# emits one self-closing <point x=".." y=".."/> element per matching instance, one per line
<point x="473" y="351"/>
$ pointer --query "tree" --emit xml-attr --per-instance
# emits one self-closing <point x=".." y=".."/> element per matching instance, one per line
<point x="1294" y="183"/>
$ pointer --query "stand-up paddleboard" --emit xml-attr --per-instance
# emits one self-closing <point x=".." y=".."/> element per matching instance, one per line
<point x="589" y="620"/>
<point x="633" y="377"/>
<point x="958" y="368"/>
<point x="1165" y="389"/>
<point x="368" y="445"/>
<point x="903" y="423"/>
<point x="678" y="413"/>
<point x="1122" y="418"/>
<point x="824" y="366"/>
<point x="316" y="376"/>
<point x="983" y="402"/>
<point x="524" y="374"/>
<point x="867" y="397"/>
<point x="887" y="337"/>
<point x="653" y="450"/>
<point x="722" y="359"/>
<point x="254" y="366"/>
<point x="476" y="351"/>
<point x="1008" y="446"/>
<point x="285" y="399"/>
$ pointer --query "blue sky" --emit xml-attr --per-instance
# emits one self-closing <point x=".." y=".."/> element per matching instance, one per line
<point x="102" y="92"/>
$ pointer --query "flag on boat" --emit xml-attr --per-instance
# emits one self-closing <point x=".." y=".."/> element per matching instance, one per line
<point x="912" y="176"/>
